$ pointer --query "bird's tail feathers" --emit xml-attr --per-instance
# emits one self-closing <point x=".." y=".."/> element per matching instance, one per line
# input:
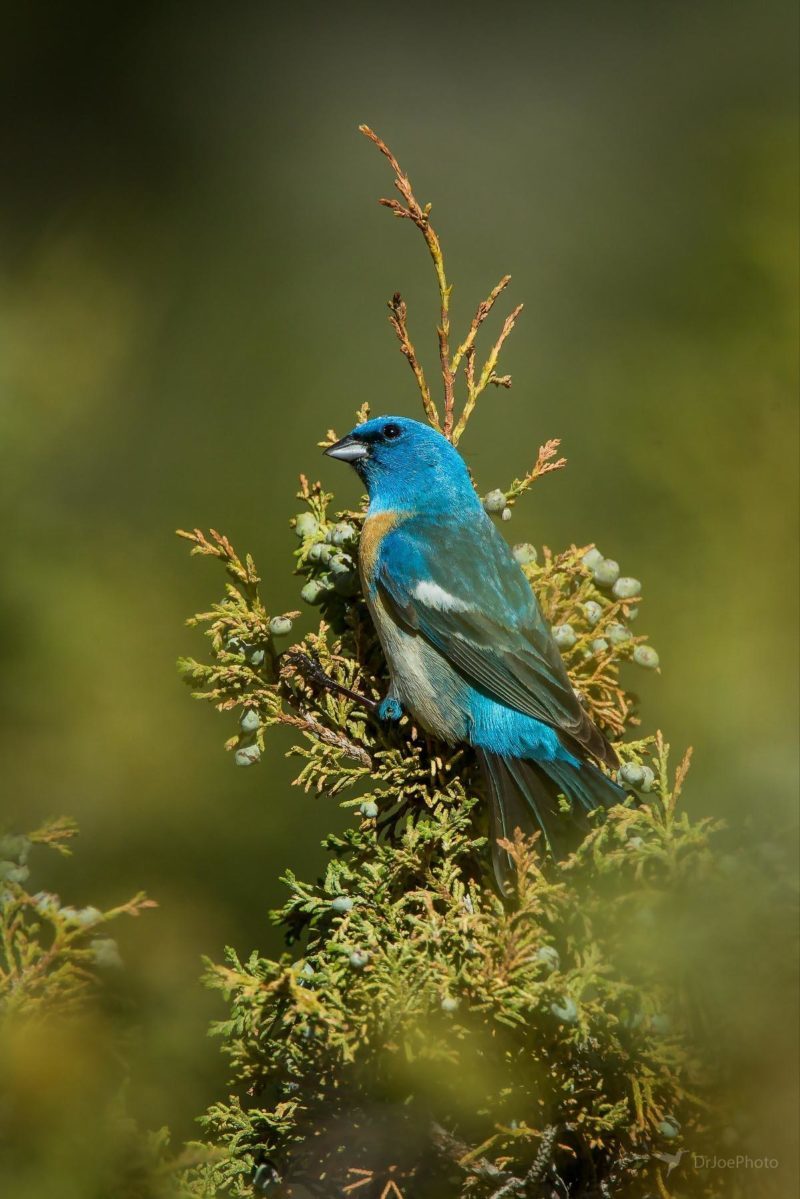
<point x="585" y="786"/>
<point x="525" y="795"/>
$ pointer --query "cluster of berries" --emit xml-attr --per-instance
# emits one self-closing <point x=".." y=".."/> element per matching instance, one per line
<point x="248" y="754"/>
<point x="340" y="905"/>
<point x="332" y="555"/>
<point x="496" y="502"/>
<point x="606" y="577"/>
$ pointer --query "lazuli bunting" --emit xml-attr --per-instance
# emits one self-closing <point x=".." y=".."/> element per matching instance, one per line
<point x="469" y="653"/>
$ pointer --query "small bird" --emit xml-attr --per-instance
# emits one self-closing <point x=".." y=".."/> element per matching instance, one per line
<point x="671" y="1159"/>
<point x="470" y="655"/>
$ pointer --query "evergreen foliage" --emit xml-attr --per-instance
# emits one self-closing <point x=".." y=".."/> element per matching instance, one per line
<point x="59" y="974"/>
<point x="50" y="955"/>
<point x="423" y="1034"/>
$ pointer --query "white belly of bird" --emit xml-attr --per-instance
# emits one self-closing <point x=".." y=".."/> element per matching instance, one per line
<point x="423" y="681"/>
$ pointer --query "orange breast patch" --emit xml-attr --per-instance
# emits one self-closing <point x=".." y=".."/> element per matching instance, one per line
<point x="375" y="529"/>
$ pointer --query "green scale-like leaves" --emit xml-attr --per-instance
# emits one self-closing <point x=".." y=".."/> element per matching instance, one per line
<point x="423" y="1033"/>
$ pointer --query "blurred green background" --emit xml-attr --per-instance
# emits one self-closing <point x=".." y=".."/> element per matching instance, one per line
<point x="194" y="275"/>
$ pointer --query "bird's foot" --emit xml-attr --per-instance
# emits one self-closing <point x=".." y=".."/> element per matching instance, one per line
<point x="312" y="672"/>
<point x="389" y="709"/>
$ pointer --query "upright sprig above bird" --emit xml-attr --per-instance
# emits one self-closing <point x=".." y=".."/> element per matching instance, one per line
<point x="464" y="357"/>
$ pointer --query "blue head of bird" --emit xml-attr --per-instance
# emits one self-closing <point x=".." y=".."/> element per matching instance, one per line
<point x="407" y="466"/>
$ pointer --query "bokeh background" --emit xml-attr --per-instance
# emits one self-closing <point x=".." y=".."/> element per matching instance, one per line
<point x="194" y="276"/>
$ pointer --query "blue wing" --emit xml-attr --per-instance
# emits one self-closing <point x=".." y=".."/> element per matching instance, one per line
<point x="457" y="584"/>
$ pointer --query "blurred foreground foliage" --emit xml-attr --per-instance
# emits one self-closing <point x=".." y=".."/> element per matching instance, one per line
<point x="64" y="1042"/>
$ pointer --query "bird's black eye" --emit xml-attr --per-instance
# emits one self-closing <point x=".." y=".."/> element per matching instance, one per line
<point x="391" y="432"/>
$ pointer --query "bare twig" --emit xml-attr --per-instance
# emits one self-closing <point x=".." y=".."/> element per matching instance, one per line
<point x="397" y="319"/>
<point x="410" y="209"/>
<point x="487" y="375"/>
<point x="307" y="724"/>
<point x="413" y="211"/>
<point x="484" y="308"/>
<point x="312" y="672"/>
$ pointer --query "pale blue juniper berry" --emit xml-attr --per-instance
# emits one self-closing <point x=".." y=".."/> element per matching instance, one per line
<point x="469" y="653"/>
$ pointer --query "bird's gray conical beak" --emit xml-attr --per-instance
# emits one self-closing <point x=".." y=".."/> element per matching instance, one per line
<point x="349" y="449"/>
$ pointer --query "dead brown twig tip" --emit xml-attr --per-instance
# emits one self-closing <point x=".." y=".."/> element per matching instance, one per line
<point x="452" y="427"/>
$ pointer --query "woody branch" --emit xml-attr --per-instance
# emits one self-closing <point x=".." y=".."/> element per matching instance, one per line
<point x="411" y="209"/>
